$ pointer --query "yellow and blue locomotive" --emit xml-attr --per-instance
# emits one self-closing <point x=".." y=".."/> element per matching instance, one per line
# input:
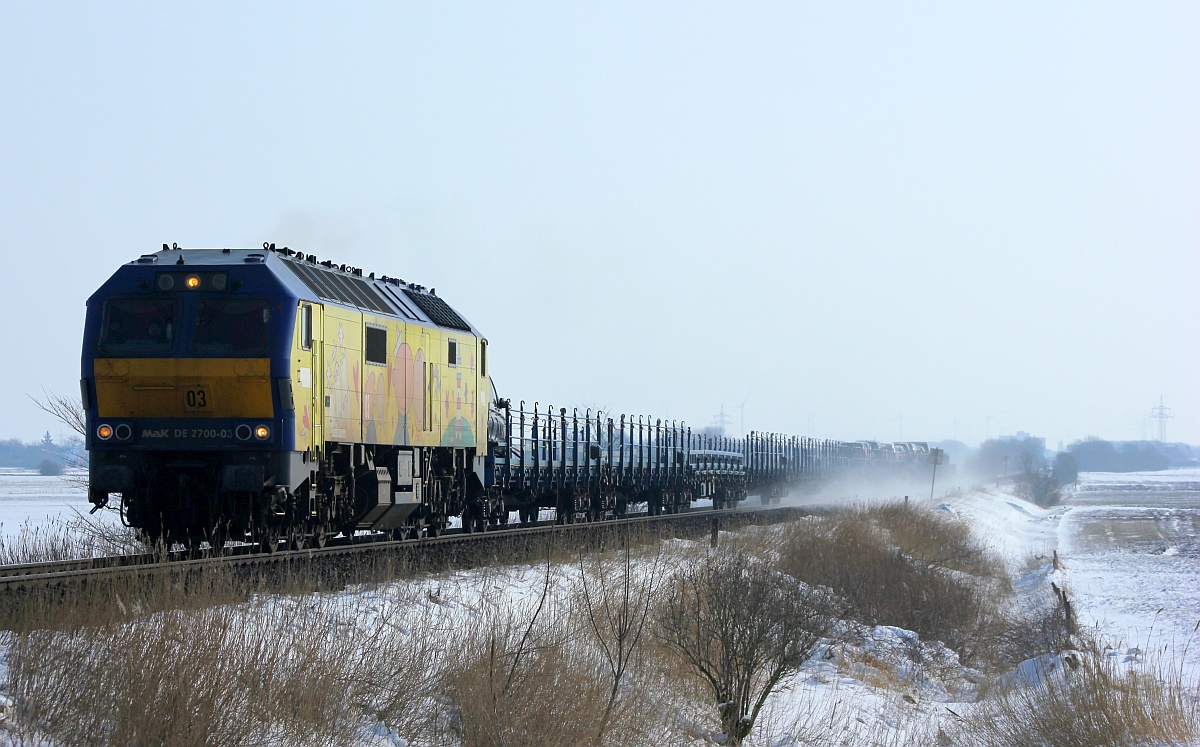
<point x="265" y="395"/>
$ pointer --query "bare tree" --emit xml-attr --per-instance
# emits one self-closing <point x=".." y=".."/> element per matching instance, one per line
<point x="618" y="602"/>
<point x="743" y="629"/>
<point x="66" y="410"/>
<point x="70" y="412"/>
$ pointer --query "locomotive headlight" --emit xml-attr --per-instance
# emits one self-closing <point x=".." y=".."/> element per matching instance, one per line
<point x="242" y="432"/>
<point x="193" y="281"/>
<point x="262" y="433"/>
<point x="219" y="282"/>
<point x="104" y="432"/>
<point x="124" y="432"/>
<point x="165" y="282"/>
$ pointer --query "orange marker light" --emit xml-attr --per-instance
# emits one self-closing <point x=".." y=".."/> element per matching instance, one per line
<point x="262" y="432"/>
<point x="104" y="432"/>
<point x="193" y="281"/>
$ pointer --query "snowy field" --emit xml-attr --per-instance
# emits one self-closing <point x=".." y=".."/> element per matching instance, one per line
<point x="28" y="498"/>
<point x="1131" y="543"/>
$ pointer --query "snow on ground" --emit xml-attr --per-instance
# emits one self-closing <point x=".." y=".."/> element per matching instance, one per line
<point x="1131" y="543"/>
<point x="1129" y="556"/>
<point x="28" y="498"/>
<point x="1130" y="548"/>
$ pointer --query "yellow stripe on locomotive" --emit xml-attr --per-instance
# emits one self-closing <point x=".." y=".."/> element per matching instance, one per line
<point x="183" y="387"/>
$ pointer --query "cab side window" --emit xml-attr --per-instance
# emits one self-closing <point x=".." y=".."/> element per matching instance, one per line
<point x="376" y="345"/>
<point x="306" y="328"/>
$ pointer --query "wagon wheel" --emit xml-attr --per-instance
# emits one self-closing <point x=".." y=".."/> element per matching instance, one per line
<point x="268" y="539"/>
<point x="320" y="536"/>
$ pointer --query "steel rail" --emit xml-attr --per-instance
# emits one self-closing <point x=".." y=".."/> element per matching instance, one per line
<point x="35" y="575"/>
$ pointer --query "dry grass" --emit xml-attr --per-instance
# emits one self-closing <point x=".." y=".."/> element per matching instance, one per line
<point x="920" y="569"/>
<point x="568" y="665"/>
<point x="67" y="538"/>
<point x="306" y="671"/>
<point x="1093" y="701"/>
<point x="933" y="538"/>
<point x="882" y="586"/>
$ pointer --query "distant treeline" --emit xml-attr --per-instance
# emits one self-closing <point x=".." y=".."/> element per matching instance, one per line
<point x="1097" y="455"/>
<point x="1014" y="456"/>
<point x="1008" y="456"/>
<point x="46" y="456"/>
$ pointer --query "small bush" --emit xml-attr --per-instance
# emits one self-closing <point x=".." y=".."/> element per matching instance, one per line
<point x="743" y="630"/>
<point x="50" y="467"/>
<point x="934" y="538"/>
<point x="1038" y="488"/>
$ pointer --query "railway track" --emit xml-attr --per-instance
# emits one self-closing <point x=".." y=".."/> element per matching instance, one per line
<point x="456" y="543"/>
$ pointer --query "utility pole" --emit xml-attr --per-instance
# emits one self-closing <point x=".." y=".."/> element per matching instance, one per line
<point x="722" y="420"/>
<point x="1160" y="414"/>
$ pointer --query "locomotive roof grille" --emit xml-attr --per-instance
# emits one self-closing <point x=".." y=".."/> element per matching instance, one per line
<point x="438" y="311"/>
<point x="335" y="286"/>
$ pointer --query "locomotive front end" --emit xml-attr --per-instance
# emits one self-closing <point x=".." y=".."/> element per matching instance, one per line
<point x="187" y="394"/>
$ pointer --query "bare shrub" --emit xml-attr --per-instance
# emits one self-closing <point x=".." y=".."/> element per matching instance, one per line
<point x="70" y="412"/>
<point x="521" y="679"/>
<point x="743" y="630"/>
<point x="615" y="600"/>
<point x="1087" y="700"/>
<point x="66" y="410"/>
<point x="1038" y="488"/>
<point x="50" y="468"/>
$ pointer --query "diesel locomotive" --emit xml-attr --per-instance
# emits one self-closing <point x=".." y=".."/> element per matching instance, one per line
<point x="264" y="395"/>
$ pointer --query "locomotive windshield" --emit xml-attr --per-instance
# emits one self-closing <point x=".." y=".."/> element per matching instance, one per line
<point x="231" y="329"/>
<point x="138" y="326"/>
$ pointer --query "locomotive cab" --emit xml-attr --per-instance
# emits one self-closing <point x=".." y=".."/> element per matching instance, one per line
<point x="187" y="393"/>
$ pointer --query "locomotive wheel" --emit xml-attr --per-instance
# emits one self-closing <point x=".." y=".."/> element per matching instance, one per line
<point x="297" y="540"/>
<point x="152" y="538"/>
<point x="320" y="536"/>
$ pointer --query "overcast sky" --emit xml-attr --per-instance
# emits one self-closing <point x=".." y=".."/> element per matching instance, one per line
<point x="891" y="220"/>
